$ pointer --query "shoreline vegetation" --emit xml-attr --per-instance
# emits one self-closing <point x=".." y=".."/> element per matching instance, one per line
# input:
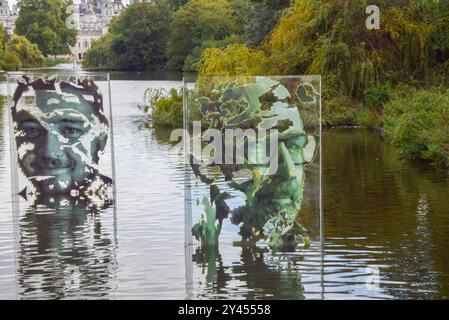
<point x="41" y="35"/>
<point x="395" y="79"/>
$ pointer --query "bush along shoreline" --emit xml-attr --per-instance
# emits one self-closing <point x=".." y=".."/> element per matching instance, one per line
<point x="417" y="121"/>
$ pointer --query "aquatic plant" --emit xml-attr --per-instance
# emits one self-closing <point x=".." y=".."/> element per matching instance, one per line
<point x="164" y="106"/>
<point x="208" y="229"/>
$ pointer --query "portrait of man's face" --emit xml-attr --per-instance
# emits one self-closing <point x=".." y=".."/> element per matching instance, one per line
<point x="60" y="131"/>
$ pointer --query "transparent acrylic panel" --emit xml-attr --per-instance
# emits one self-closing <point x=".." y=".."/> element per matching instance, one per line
<point x="253" y="181"/>
<point x="61" y="141"/>
<point x="63" y="182"/>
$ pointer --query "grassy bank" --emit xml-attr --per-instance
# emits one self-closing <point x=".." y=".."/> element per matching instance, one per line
<point x="414" y="119"/>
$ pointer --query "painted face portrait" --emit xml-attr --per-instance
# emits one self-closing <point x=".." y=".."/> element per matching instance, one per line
<point x="61" y="132"/>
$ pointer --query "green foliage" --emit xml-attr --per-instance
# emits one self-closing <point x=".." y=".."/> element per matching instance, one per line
<point x="166" y="108"/>
<point x="27" y="53"/>
<point x="376" y="96"/>
<point x="274" y="4"/>
<point x="330" y="38"/>
<point x="3" y="101"/>
<point x="309" y="39"/>
<point x="195" y="23"/>
<point x="2" y="41"/>
<point x="195" y="26"/>
<point x="136" y="40"/>
<point x="192" y="61"/>
<point x="172" y="5"/>
<point x="362" y="68"/>
<point x="140" y="36"/>
<point x="368" y="118"/>
<point x="44" y="22"/>
<point x="204" y="24"/>
<point x="11" y="62"/>
<point x="260" y="17"/>
<point x="51" y="61"/>
<point x="236" y="59"/>
<point x="340" y="111"/>
<point x="18" y="52"/>
<point x="100" y="55"/>
<point x="417" y="121"/>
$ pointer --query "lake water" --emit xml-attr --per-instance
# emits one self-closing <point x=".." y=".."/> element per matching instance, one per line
<point x="382" y="215"/>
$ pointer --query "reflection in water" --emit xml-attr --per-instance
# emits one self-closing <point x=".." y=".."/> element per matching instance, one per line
<point x="381" y="213"/>
<point x="64" y="252"/>
<point x="263" y="274"/>
<point x="386" y="212"/>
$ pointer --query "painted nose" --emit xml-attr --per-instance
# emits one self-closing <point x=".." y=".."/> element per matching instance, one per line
<point x="53" y="155"/>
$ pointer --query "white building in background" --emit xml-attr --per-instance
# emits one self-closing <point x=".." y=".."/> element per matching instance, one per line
<point x="93" y="18"/>
<point x="140" y="1"/>
<point x="8" y="16"/>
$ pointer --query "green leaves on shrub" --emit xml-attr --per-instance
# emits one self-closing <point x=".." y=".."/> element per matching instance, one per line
<point x="417" y="121"/>
<point x="166" y="108"/>
<point x="376" y="96"/>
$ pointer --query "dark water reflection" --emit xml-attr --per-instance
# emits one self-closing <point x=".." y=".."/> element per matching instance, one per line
<point x="260" y="275"/>
<point x="65" y="253"/>
<point x="384" y="212"/>
<point x="380" y="212"/>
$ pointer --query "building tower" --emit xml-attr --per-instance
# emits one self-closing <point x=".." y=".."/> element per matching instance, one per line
<point x="7" y="17"/>
<point x="94" y="17"/>
<point x="4" y="8"/>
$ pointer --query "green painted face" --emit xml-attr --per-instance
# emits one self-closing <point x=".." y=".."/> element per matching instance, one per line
<point x="59" y="138"/>
<point x="273" y="198"/>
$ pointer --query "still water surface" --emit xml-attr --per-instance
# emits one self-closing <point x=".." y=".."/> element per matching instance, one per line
<point x="381" y="214"/>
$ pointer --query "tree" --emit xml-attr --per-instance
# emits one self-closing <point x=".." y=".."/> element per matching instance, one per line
<point x="44" y="22"/>
<point x="274" y="4"/>
<point x="261" y="18"/>
<point x="100" y="54"/>
<point x="330" y="38"/>
<point x="197" y="22"/>
<point x="11" y="62"/>
<point x="28" y="53"/>
<point x="172" y="5"/>
<point x="2" y="41"/>
<point x="236" y="59"/>
<point x="140" y="36"/>
<point x="18" y="52"/>
<point x="136" y="40"/>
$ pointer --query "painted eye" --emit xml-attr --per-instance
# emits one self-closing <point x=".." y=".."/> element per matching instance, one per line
<point x="71" y="132"/>
<point x="32" y="133"/>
